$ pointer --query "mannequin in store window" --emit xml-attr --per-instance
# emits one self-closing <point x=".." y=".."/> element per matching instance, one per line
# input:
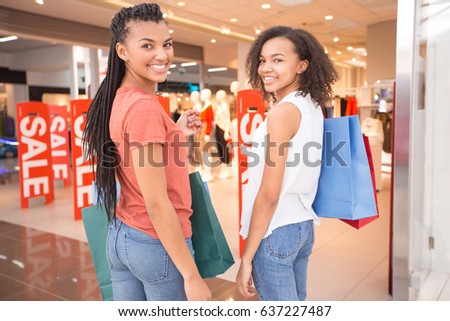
<point x="207" y="117"/>
<point x="222" y="132"/>
<point x="175" y="107"/>
<point x="194" y="98"/>
<point x="177" y="114"/>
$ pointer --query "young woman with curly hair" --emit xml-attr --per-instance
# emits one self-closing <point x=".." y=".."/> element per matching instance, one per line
<point x="291" y="68"/>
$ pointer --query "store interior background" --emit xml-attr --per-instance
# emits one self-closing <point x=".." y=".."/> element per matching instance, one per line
<point x="58" y="57"/>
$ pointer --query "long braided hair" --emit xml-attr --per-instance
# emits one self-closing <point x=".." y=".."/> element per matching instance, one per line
<point x="316" y="80"/>
<point x="97" y="142"/>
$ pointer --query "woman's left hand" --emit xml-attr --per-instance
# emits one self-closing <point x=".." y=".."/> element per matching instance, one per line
<point x="244" y="280"/>
<point x="190" y="122"/>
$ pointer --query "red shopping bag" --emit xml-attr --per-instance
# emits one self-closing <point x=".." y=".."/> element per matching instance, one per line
<point x="364" y="221"/>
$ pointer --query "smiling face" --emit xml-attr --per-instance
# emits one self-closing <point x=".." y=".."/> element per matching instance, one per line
<point x="147" y="52"/>
<point x="280" y="67"/>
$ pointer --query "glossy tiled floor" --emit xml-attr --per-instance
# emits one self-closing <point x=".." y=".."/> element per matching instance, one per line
<point x="37" y="265"/>
<point x="44" y="254"/>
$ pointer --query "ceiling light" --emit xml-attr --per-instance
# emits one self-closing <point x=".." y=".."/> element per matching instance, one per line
<point x="225" y="30"/>
<point x="167" y="13"/>
<point x="39" y="2"/>
<point x="208" y="28"/>
<point x="335" y="39"/>
<point x="356" y="63"/>
<point x="181" y="4"/>
<point x="339" y="52"/>
<point x="233" y="20"/>
<point x="213" y="40"/>
<point x="18" y="263"/>
<point x="10" y="38"/>
<point x="259" y="28"/>
<point x="293" y="2"/>
<point x="349" y="48"/>
<point x="329" y="17"/>
<point x="217" y="69"/>
<point x="360" y="51"/>
<point x="171" y="31"/>
<point x="266" y="6"/>
<point x="188" y="64"/>
<point x="173" y="66"/>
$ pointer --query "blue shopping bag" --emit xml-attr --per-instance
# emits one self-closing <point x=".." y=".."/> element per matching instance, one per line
<point x="345" y="188"/>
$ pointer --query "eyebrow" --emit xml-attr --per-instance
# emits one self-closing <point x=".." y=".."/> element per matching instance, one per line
<point x="151" y="40"/>
<point x="274" y="55"/>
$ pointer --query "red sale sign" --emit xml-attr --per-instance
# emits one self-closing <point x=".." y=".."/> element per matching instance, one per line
<point x="59" y="138"/>
<point x="82" y="170"/>
<point x="36" y="176"/>
<point x="250" y="110"/>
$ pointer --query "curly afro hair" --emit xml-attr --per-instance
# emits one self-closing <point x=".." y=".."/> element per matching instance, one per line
<point x="316" y="80"/>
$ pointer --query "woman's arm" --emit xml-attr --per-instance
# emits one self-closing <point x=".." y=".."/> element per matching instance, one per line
<point x="282" y="124"/>
<point x="152" y="183"/>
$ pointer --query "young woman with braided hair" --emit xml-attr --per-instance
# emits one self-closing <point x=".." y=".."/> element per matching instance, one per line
<point x="290" y="67"/>
<point x="149" y="248"/>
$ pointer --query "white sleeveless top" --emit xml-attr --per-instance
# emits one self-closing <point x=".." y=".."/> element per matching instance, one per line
<point x="301" y="176"/>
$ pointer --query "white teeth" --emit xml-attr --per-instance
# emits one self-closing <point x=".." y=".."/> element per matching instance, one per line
<point x="158" y="66"/>
<point x="269" y="78"/>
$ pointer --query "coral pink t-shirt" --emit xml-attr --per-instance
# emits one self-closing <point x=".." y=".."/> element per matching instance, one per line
<point x="137" y="119"/>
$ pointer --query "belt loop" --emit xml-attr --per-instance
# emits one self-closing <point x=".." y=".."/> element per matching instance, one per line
<point x="116" y="223"/>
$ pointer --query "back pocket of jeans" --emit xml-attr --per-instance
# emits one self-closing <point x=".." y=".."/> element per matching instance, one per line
<point x="147" y="258"/>
<point x="284" y="241"/>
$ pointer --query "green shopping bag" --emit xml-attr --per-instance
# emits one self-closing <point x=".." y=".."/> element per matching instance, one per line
<point x="96" y="226"/>
<point x="212" y="253"/>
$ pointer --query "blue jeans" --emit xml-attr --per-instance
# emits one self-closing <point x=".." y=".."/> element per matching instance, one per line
<point x="140" y="267"/>
<point x="280" y="264"/>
